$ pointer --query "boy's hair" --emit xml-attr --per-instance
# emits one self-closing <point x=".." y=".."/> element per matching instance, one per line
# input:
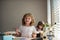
<point x="26" y="15"/>
<point x="41" y="24"/>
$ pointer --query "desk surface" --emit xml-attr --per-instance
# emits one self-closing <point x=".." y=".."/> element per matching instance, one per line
<point x="23" y="38"/>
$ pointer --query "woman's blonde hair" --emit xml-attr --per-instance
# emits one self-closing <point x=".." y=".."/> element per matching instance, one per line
<point x="26" y="15"/>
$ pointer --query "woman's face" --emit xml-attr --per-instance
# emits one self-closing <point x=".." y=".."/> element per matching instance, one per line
<point x="27" y="19"/>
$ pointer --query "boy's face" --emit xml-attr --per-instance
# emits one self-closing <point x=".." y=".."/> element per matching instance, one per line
<point x="27" y="19"/>
<point x="40" y="27"/>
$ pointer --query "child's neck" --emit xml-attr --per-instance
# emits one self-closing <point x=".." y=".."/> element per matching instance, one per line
<point x="27" y="25"/>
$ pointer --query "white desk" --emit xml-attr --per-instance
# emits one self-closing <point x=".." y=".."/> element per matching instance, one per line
<point x="21" y="38"/>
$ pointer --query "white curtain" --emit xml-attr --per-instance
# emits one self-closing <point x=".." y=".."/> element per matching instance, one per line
<point x="56" y="18"/>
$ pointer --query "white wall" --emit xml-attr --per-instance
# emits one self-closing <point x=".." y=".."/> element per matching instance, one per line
<point x="12" y="12"/>
<point x="0" y="17"/>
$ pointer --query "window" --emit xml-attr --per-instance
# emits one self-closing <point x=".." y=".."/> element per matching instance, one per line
<point x="55" y="11"/>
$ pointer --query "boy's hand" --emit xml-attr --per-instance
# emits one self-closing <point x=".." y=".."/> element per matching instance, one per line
<point x="34" y="35"/>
